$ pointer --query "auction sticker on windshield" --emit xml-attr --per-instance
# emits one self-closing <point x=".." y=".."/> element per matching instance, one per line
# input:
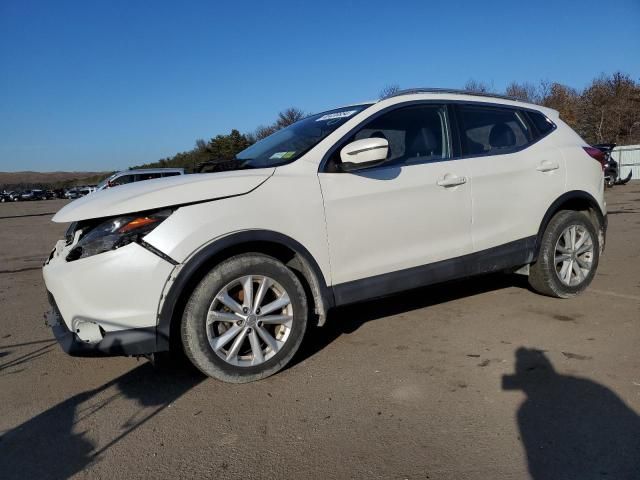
<point x="331" y="116"/>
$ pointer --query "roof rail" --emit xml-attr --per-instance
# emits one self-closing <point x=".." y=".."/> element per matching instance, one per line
<point x="411" y="91"/>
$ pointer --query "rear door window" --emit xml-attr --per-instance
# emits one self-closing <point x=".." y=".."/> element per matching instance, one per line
<point x="488" y="130"/>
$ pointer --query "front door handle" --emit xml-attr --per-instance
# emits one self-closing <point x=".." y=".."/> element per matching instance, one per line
<point x="547" y="166"/>
<point x="450" y="180"/>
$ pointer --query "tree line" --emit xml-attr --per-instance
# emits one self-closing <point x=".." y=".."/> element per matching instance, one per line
<point x="606" y="111"/>
<point x="225" y="147"/>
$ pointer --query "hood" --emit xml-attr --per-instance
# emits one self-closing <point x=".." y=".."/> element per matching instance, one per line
<point x="162" y="192"/>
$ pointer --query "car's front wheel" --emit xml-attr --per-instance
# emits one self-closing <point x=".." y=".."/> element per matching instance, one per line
<point x="245" y="320"/>
<point x="568" y="256"/>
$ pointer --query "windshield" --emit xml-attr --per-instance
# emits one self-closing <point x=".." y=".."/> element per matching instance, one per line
<point x="291" y="143"/>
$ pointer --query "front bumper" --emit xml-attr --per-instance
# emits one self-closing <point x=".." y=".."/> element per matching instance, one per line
<point x="106" y="304"/>
<point x="140" y="341"/>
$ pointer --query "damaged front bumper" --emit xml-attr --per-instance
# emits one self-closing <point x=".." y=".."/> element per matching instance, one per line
<point x="138" y="341"/>
<point x="106" y="304"/>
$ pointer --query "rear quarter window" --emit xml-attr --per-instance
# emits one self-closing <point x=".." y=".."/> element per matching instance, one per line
<point x="541" y="122"/>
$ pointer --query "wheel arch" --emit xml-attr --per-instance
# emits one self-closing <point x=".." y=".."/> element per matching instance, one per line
<point x="577" y="200"/>
<point x="280" y="246"/>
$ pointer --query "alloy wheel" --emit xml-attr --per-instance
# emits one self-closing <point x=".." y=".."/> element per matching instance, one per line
<point x="249" y="320"/>
<point x="574" y="255"/>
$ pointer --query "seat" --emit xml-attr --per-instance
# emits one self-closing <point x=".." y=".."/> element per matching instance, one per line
<point x="421" y="145"/>
<point x="502" y="136"/>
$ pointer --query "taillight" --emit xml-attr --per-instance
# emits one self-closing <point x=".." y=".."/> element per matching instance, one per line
<point x="597" y="155"/>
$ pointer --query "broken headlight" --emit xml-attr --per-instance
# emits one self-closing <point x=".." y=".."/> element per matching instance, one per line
<point x="115" y="233"/>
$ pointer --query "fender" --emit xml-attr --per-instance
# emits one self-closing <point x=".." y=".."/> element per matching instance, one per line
<point x="568" y="198"/>
<point x="192" y="270"/>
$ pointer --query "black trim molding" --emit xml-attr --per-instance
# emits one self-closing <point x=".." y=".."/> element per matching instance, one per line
<point x="136" y="341"/>
<point x="512" y="254"/>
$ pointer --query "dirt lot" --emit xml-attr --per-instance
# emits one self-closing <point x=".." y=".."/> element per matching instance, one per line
<point x="421" y="385"/>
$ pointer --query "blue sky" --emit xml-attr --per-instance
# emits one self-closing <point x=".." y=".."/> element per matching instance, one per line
<point x="103" y="85"/>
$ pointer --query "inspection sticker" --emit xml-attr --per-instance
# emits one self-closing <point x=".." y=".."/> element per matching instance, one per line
<point x="282" y="155"/>
<point x="331" y="116"/>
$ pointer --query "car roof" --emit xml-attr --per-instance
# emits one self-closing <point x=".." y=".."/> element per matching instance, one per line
<point x="445" y="91"/>
<point x="464" y="95"/>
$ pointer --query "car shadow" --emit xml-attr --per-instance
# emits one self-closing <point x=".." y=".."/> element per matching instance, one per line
<point x="347" y="319"/>
<point x="572" y="427"/>
<point x="51" y="445"/>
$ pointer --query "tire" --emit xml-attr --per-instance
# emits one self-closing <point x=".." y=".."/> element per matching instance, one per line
<point x="548" y="277"/>
<point x="213" y="298"/>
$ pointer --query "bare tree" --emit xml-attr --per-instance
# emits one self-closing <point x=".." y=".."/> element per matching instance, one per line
<point x="388" y="91"/>
<point x="476" y="86"/>
<point x="285" y="118"/>
<point x="562" y="98"/>
<point x="609" y="110"/>
<point x="526" y="91"/>
<point x="289" y="116"/>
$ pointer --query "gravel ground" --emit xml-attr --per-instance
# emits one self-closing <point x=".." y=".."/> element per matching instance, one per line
<point x="480" y="379"/>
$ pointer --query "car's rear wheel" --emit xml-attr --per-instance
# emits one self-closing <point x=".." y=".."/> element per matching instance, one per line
<point x="568" y="256"/>
<point x="245" y="320"/>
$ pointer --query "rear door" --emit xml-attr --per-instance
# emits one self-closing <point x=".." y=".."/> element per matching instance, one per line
<point x="515" y="174"/>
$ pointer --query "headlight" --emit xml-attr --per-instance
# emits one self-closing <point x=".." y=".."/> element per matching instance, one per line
<point x="115" y="233"/>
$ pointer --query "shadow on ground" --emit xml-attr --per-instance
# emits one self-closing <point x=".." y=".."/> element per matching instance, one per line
<point x="348" y="319"/>
<point x="572" y="428"/>
<point x="50" y="445"/>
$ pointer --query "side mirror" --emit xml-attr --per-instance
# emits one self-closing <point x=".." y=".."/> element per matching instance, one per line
<point x="364" y="153"/>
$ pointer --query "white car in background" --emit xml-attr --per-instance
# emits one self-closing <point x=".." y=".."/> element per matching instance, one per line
<point x="343" y="206"/>
<point x="137" y="175"/>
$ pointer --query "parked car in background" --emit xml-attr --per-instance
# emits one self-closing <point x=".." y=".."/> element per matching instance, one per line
<point x="79" y="191"/>
<point x="71" y="193"/>
<point x="9" y="196"/>
<point x="130" y="176"/>
<point x="611" y="167"/>
<point x="86" y="190"/>
<point x="363" y="201"/>
<point x="34" y="194"/>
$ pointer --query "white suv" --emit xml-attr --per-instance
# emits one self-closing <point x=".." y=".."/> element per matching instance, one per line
<point x="350" y="204"/>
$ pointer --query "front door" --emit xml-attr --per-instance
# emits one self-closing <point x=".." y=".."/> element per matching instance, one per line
<point x="413" y="210"/>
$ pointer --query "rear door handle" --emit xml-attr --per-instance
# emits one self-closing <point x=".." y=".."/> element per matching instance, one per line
<point x="547" y="166"/>
<point x="450" y="180"/>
